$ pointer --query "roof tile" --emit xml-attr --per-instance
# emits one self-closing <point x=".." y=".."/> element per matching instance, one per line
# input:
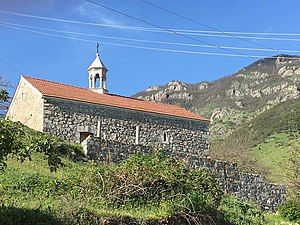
<point x="64" y="91"/>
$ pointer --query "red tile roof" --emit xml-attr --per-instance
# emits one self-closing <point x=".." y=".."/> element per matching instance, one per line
<point x="64" y="91"/>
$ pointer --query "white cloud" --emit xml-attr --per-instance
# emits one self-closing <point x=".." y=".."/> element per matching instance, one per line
<point x="96" y="14"/>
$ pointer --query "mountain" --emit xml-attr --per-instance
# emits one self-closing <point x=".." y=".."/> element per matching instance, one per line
<point x="235" y="99"/>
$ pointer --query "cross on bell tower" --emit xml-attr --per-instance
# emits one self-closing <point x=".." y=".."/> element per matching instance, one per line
<point x="97" y="75"/>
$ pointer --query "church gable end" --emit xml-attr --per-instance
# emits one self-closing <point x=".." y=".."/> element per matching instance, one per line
<point x="27" y="106"/>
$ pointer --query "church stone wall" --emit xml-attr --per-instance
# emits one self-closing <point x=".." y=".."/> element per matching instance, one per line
<point x="66" y="119"/>
<point x="251" y="187"/>
<point x="27" y="106"/>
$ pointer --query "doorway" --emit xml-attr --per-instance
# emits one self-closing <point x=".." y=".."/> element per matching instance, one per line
<point x="84" y="136"/>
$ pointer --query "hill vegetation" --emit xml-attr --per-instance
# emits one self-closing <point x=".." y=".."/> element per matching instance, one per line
<point x="263" y="144"/>
<point x="284" y="117"/>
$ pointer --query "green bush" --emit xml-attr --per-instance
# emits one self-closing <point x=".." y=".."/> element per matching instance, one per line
<point x="155" y="180"/>
<point x="240" y="212"/>
<point x="145" y="189"/>
<point x="19" y="141"/>
<point x="291" y="211"/>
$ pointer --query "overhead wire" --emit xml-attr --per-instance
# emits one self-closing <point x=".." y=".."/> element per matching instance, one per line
<point x="246" y="37"/>
<point x="163" y="28"/>
<point x="139" y="47"/>
<point x="9" y="66"/>
<point x="204" y="25"/>
<point x="75" y="21"/>
<point x="145" y="40"/>
<point x="147" y="29"/>
<point x="123" y="45"/>
<point x="15" y="60"/>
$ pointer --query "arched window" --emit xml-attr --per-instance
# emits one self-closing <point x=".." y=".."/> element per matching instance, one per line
<point x="97" y="81"/>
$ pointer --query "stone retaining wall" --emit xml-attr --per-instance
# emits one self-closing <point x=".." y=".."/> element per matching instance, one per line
<point x="247" y="186"/>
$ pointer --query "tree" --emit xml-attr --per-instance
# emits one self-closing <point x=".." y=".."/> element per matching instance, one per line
<point x="3" y="94"/>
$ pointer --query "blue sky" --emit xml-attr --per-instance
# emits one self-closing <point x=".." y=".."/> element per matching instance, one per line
<point x="131" y="69"/>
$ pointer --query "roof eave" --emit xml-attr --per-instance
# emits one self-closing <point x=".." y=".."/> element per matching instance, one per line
<point x="161" y="114"/>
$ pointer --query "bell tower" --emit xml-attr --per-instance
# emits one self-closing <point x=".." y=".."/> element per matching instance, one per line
<point x="97" y="75"/>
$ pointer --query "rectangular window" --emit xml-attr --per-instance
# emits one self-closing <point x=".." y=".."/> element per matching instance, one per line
<point x="137" y="134"/>
<point x="165" y="137"/>
<point x="99" y="129"/>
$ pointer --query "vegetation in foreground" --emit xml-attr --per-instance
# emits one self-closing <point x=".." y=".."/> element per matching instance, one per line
<point x="143" y="189"/>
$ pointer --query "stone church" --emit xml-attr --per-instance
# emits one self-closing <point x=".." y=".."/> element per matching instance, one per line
<point x="76" y="114"/>
<point x="111" y="128"/>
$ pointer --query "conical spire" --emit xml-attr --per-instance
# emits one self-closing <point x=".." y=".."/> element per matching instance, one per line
<point x="97" y="63"/>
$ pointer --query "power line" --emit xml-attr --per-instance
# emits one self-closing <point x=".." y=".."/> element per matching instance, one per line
<point x="245" y="37"/>
<point x="241" y="32"/>
<point x="203" y="24"/>
<point x="125" y="45"/>
<point x="205" y="33"/>
<point x="166" y="29"/>
<point x="15" y="60"/>
<point x="147" y="41"/>
<point x="141" y="47"/>
<point x="73" y="21"/>
<point x="9" y="66"/>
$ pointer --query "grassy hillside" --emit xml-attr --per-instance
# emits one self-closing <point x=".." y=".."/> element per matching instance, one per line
<point x="80" y="193"/>
<point x="74" y="195"/>
<point x="274" y="153"/>
<point x="269" y="136"/>
<point x="142" y="190"/>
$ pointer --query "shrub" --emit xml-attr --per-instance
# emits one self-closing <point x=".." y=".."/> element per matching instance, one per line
<point x="240" y="212"/>
<point x="19" y="141"/>
<point x="157" y="179"/>
<point x="291" y="210"/>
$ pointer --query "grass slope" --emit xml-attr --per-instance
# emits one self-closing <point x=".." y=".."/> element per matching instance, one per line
<point x="273" y="154"/>
<point x="142" y="190"/>
<point x="271" y="135"/>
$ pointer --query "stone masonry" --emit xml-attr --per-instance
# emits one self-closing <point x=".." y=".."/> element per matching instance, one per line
<point x="67" y="119"/>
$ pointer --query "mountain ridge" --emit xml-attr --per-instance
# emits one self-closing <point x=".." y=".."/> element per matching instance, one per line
<point x="234" y="99"/>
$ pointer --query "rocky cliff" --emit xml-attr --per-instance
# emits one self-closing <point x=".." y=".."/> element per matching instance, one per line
<point x="234" y="99"/>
